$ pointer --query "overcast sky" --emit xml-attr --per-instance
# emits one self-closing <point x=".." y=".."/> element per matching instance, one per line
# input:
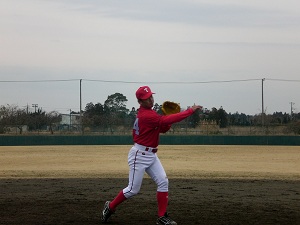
<point x="220" y="50"/>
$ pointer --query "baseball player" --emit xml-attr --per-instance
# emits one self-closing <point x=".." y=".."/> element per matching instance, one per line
<point x="142" y="156"/>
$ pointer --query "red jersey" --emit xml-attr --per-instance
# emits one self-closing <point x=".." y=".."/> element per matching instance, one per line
<point x="149" y="124"/>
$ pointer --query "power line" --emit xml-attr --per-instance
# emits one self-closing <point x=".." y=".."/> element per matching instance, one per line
<point x="36" y="81"/>
<point x="128" y="82"/>
<point x="170" y="82"/>
<point x="148" y="82"/>
<point x="285" y="80"/>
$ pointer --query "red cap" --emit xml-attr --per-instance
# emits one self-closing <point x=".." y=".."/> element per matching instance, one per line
<point x="143" y="92"/>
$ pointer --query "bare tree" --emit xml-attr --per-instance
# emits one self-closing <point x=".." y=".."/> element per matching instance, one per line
<point x="51" y="119"/>
<point x="12" y="116"/>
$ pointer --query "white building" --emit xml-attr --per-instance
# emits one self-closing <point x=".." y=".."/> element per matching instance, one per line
<point x="70" y="121"/>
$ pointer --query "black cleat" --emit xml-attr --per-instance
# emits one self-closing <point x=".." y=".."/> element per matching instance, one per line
<point x="106" y="213"/>
<point x="165" y="220"/>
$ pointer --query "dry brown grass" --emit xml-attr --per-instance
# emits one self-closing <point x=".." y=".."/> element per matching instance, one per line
<point x="186" y="161"/>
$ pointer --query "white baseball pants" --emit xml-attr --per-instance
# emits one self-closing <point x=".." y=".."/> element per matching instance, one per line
<point x="141" y="161"/>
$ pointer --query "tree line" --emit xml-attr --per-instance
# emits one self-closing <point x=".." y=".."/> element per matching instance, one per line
<point x="13" y="116"/>
<point x="113" y="114"/>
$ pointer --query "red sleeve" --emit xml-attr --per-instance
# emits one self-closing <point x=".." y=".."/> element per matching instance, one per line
<point x="164" y="129"/>
<point x="174" y="118"/>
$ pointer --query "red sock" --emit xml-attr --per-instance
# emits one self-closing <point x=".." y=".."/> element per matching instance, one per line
<point x="162" y="200"/>
<point x="117" y="201"/>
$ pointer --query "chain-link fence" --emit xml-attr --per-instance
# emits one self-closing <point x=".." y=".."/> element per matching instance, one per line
<point x="177" y="129"/>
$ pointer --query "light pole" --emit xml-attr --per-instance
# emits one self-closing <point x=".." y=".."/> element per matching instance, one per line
<point x="35" y="106"/>
<point x="292" y="103"/>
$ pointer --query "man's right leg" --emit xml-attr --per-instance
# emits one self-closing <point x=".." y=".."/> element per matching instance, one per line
<point x="137" y="167"/>
<point x="136" y="174"/>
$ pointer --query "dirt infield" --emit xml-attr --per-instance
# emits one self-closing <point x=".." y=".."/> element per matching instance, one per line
<point x="239" y="185"/>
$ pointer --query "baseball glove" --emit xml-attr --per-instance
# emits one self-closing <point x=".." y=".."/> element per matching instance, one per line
<point x="169" y="108"/>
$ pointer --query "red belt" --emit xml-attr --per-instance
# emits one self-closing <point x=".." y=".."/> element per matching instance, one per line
<point x="154" y="150"/>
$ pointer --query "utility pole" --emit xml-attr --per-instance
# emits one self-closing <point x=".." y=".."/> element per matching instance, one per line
<point x="262" y="102"/>
<point x="70" y="120"/>
<point x="81" y="126"/>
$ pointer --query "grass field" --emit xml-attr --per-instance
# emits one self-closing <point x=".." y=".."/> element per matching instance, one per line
<point x="208" y="185"/>
<point x="179" y="161"/>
